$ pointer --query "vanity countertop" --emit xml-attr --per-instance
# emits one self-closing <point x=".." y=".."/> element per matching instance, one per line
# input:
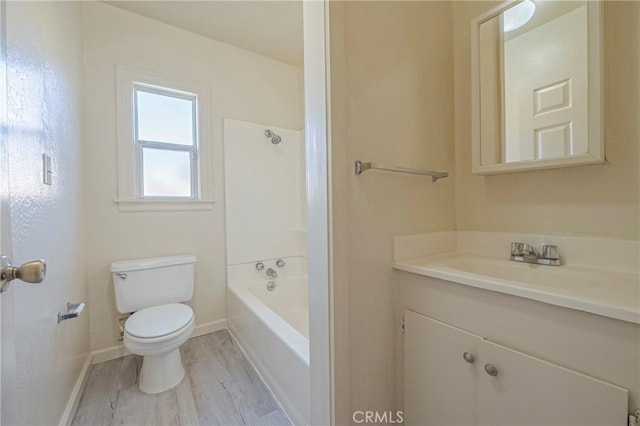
<point x="603" y="292"/>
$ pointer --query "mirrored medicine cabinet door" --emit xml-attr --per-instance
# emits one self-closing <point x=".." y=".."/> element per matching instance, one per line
<point x="536" y="86"/>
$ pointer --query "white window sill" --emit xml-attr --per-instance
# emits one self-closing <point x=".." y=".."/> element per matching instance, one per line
<point x="163" y="205"/>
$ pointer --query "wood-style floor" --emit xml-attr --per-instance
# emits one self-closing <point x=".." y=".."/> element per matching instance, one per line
<point x="220" y="388"/>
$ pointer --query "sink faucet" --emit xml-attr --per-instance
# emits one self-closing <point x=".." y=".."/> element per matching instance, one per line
<point x="271" y="273"/>
<point x="521" y="252"/>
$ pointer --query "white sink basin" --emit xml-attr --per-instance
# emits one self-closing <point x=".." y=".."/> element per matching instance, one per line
<point x="525" y="273"/>
<point x="604" y="292"/>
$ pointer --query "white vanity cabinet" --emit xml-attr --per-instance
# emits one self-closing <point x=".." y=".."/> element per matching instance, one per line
<point x="453" y="377"/>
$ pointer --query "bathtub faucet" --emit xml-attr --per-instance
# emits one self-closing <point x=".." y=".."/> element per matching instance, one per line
<point x="271" y="273"/>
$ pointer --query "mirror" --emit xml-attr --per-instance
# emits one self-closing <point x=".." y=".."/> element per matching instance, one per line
<point x="536" y="90"/>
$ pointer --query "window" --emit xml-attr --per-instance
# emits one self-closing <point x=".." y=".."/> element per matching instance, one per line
<point x="166" y="142"/>
<point x="162" y="142"/>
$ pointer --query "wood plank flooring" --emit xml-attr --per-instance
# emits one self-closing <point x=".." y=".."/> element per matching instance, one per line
<point x="220" y="388"/>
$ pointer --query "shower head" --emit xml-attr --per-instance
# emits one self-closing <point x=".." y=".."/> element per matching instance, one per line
<point x="275" y="138"/>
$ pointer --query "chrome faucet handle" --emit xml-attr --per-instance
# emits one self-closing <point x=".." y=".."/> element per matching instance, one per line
<point x="516" y="249"/>
<point x="271" y="273"/>
<point x="529" y="249"/>
<point x="550" y="252"/>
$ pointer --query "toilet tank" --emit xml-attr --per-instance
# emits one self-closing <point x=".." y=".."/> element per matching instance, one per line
<point x="142" y="283"/>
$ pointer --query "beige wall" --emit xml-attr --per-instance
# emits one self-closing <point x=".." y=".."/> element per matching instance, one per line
<point x="396" y="68"/>
<point x="44" y="80"/>
<point x="243" y="85"/>
<point x="599" y="200"/>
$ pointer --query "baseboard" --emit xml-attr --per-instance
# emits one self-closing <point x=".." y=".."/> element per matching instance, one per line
<point x="107" y="354"/>
<point x="76" y="394"/>
<point x="209" y="327"/>
<point x="119" y="351"/>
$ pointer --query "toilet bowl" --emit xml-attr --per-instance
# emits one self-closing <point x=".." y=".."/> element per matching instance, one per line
<point x="154" y="289"/>
<point x="157" y="333"/>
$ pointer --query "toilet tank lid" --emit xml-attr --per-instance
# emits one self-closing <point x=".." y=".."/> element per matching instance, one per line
<point x="153" y="262"/>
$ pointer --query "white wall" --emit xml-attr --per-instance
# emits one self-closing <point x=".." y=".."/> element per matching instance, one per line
<point x="263" y="197"/>
<point x="44" y="116"/>
<point x="243" y="85"/>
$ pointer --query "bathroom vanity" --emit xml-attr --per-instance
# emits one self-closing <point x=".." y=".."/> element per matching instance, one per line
<point x="483" y="342"/>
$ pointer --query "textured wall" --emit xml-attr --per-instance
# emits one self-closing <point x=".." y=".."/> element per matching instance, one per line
<point x="243" y="85"/>
<point x="600" y="200"/>
<point x="44" y="61"/>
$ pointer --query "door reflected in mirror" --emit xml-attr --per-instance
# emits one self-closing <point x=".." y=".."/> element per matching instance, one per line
<point x="537" y="86"/>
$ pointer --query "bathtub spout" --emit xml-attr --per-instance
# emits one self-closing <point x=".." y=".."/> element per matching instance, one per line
<point x="271" y="273"/>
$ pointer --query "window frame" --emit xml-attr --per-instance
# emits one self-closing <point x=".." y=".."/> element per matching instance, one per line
<point x="129" y="151"/>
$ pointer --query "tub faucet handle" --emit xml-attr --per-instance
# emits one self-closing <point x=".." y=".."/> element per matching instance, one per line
<point x="259" y="266"/>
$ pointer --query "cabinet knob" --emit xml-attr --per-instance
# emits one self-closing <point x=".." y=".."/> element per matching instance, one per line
<point x="491" y="369"/>
<point x="469" y="357"/>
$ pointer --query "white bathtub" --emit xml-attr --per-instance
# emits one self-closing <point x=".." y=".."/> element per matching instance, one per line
<point x="272" y="327"/>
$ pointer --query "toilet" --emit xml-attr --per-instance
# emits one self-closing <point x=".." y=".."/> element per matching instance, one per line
<point x="154" y="289"/>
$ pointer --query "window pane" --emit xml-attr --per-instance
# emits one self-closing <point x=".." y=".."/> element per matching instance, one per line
<point x="164" y="118"/>
<point x="166" y="173"/>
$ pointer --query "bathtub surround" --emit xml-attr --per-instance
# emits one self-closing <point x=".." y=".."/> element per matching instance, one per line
<point x="242" y="85"/>
<point x="44" y="80"/>
<point x="265" y="198"/>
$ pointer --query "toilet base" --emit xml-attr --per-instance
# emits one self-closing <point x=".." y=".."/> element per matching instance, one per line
<point x="161" y="372"/>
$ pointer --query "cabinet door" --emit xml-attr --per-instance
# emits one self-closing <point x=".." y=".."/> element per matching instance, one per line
<point x="439" y="384"/>
<point x="530" y="391"/>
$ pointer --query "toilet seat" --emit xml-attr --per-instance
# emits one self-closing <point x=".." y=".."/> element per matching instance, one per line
<point x="158" y="321"/>
<point x="153" y="346"/>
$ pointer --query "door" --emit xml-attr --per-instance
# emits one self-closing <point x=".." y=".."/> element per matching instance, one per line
<point x="546" y="115"/>
<point x="439" y="378"/>
<point x="553" y="108"/>
<point x="7" y="353"/>
<point x="529" y="391"/>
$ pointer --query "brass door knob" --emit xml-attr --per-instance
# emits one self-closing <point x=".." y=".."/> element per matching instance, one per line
<point x="33" y="272"/>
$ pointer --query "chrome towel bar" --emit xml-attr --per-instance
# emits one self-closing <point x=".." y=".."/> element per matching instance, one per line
<point x="361" y="167"/>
